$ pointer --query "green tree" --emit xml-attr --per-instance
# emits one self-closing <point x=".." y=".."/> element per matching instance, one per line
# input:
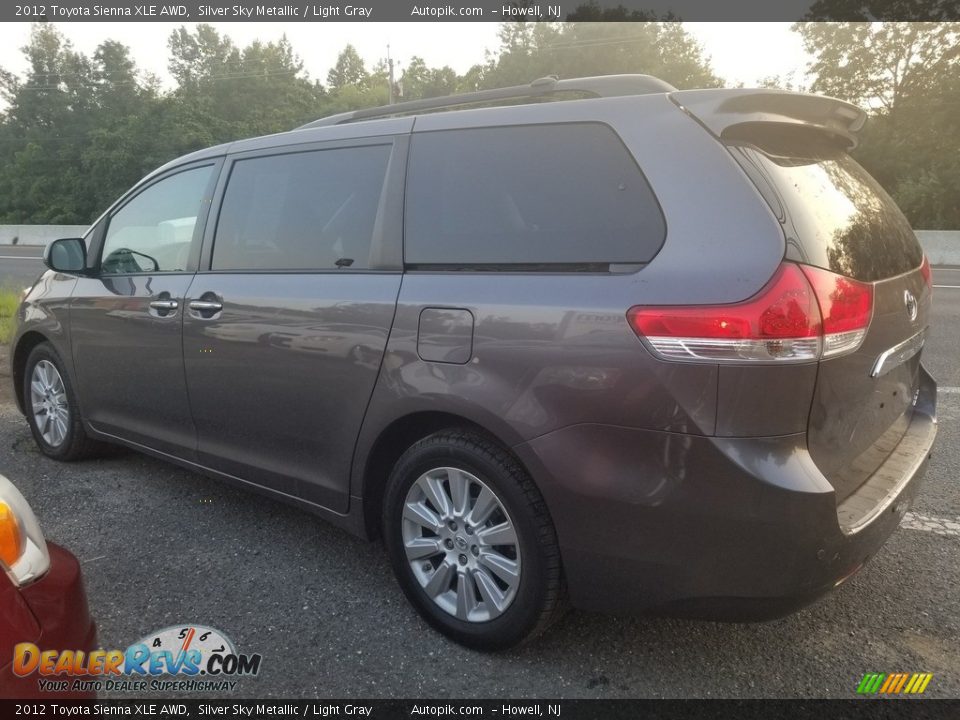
<point x="47" y="118"/>
<point x="881" y="64"/>
<point x="419" y="81"/>
<point x="77" y="131"/>
<point x="472" y="79"/>
<point x="272" y="92"/>
<point x="225" y="92"/>
<point x="906" y="74"/>
<point x="663" y="49"/>
<point x="198" y="56"/>
<point x="352" y="87"/>
<point x="789" y="81"/>
<point x="119" y="141"/>
<point x="348" y="70"/>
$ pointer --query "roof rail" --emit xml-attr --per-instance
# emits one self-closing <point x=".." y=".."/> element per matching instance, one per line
<point x="600" y="86"/>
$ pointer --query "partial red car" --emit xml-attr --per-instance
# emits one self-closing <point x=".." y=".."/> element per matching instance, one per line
<point x="42" y="599"/>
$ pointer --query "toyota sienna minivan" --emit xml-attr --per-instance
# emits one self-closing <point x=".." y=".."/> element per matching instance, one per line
<point x="594" y="342"/>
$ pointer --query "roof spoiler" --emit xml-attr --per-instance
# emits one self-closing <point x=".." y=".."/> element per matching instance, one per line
<point x="721" y="110"/>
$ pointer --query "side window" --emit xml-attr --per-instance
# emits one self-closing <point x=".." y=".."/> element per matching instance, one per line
<point x="311" y="210"/>
<point x="544" y="194"/>
<point x="153" y="232"/>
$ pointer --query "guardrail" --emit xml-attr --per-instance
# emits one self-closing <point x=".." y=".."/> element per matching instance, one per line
<point x="941" y="246"/>
<point x="38" y="234"/>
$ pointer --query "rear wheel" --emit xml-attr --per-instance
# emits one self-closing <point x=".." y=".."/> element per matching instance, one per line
<point x="51" y="407"/>
<point x="471" y="541"/>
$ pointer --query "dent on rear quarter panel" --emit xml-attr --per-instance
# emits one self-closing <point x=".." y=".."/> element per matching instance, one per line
<point x="764" y="400"/>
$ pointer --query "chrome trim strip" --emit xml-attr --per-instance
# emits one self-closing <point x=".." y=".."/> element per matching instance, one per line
<point x="898" y="354"/>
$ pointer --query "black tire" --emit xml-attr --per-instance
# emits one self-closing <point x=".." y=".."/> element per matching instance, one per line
<point x="539" y="597"/>
<point x="75" y="444"/>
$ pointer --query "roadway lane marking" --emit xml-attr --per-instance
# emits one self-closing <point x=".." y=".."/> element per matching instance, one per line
<point x="20" y="257"/>
<point x="954" y="287"/>
<point x="949" y="390"/>
<point x="949" y="527"/>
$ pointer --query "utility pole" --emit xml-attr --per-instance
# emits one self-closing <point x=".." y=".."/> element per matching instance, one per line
<point x="390" y="66"/>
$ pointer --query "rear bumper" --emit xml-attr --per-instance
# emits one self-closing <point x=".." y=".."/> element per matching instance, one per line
<point x="719" y="528"/>
<point x="59" y="604"/>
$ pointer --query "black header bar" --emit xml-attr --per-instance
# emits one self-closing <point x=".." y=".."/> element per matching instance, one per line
<point x="475" y="10"/>
<point x="859" y="709"/>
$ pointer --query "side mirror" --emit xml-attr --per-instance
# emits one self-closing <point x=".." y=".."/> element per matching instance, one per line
<point x="68" y="255"/>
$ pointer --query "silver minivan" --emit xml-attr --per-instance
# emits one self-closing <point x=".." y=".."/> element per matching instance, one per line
<point x="594" y="340"/>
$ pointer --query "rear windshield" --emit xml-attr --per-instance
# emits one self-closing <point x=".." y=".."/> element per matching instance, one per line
<point x="836" y="216"/>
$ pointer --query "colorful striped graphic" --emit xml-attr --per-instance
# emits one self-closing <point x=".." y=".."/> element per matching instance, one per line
<point x="894" y="683"/>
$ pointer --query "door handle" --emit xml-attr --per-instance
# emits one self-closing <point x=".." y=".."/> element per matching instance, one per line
<point x="206" y="306"/>
<point x="164" y="306"/>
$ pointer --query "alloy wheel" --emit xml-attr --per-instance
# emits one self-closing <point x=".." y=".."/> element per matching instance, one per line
<point x="461" y="544"/>
<point x="48" y="402"/>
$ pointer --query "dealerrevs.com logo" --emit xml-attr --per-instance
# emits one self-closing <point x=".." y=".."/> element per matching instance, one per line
<point x="180" y="658"/>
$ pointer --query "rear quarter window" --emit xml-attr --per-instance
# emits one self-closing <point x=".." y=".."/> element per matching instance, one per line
<point x="836" y="216"/>
<point x="545" y="195"/>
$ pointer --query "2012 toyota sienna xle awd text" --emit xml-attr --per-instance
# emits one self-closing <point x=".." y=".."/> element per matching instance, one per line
<point x="644" y="349"/>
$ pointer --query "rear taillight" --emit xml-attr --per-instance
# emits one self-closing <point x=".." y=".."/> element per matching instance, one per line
<point x="802" y="314"/>
<point x="926" y="272"/>
<point x="846" y="306"/>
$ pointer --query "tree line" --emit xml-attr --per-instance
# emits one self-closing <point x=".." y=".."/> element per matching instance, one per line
<point x="78" y="130"/>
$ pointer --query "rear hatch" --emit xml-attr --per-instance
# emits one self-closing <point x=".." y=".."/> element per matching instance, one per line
<point x="837" y="217"/>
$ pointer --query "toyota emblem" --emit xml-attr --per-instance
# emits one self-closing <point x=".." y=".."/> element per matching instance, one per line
<point x="911" y="302"/>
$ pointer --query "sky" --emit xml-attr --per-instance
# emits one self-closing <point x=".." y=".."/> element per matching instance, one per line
<point x="741" y="53"/>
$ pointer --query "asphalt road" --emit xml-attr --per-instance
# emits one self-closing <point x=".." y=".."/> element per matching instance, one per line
<point x="160" y="546"/>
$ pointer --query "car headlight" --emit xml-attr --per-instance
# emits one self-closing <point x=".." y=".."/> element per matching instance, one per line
<point x="23" y="550"/>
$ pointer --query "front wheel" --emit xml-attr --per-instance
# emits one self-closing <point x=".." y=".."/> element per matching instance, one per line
<point x="51" y="407"/>
<point x="471" y="541"/>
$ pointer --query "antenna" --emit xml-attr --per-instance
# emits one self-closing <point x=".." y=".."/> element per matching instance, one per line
<point x="390" y="79"/>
